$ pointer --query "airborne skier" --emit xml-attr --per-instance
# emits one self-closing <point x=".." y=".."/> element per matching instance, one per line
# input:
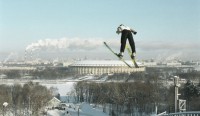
<point x="126" y="33"/>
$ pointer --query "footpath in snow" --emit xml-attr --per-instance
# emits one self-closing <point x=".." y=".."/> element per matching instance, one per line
<point x="84" y="109"/>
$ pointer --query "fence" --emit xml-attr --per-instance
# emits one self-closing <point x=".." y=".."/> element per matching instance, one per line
<point x="195" y="113"/>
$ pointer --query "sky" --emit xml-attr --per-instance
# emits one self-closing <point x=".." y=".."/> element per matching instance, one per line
<point x="77" y="28"/>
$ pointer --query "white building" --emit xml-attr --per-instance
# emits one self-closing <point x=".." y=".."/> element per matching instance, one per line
<point x="174" y="64"/>
<point x="54" y="102"/>
<point x="150" y="63"/>
<point x="99" y="67"/>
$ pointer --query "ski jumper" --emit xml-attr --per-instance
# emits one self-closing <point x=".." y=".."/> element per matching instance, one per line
<point x="126" y="33"/>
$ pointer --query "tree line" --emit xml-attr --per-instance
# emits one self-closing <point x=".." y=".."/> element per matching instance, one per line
<point x="123" y="98"/>
<point x="47" y="73"/>
<point x="138" y="96"/>
<point x="191" y="93"/>
<point x="23" y="99"/>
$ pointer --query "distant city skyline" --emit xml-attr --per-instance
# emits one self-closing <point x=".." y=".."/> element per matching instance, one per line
<point x="71" y="29"/>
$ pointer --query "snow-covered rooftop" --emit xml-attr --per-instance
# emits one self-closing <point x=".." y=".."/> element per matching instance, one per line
<point x="101" y="63"/>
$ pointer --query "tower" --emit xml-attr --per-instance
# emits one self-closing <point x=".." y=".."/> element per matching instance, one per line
<point x="179" y="103"/>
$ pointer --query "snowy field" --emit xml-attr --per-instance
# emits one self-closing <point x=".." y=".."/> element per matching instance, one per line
<point x="64" y="85"/>
<point x="83" y="109"/>
<point x="63" y="88"/>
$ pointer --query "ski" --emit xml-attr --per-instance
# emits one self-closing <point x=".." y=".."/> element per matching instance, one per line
<point x="116" y="55"/>
<point x="130" y="53"/>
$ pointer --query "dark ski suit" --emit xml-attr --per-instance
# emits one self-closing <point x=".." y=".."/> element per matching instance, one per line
<point x="126" y="33"/>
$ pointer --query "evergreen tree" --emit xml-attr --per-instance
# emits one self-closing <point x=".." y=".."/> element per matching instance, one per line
<point x="189" y="90"/>
<point x="197" y="90"/>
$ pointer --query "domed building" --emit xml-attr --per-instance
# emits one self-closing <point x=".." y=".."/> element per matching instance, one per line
<point x="99" y="67"/>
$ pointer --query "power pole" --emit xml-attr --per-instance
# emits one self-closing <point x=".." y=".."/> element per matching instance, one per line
<point x="176" y="85"/>
<point x="180" y="104"/>
<point x="78" y="110"/>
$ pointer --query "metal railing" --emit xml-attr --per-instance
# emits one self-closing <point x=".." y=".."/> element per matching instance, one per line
<point x="192" y="113"/>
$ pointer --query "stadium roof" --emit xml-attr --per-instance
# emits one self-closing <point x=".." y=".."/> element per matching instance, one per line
<point x="101" y="63"/>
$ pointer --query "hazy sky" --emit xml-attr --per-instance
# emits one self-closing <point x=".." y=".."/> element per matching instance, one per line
<point x="54" y="27"/>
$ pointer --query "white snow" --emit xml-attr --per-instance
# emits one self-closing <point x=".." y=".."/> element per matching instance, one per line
<point x="63" y="88"/>
<point x="84" y="109"/>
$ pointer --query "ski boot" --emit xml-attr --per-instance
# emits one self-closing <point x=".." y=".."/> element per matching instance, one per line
<point x="120" y="55"/>
<point x="133" y="55"/>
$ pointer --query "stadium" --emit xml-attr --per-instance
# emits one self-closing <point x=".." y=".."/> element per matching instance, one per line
<point x="99" y="67"/>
